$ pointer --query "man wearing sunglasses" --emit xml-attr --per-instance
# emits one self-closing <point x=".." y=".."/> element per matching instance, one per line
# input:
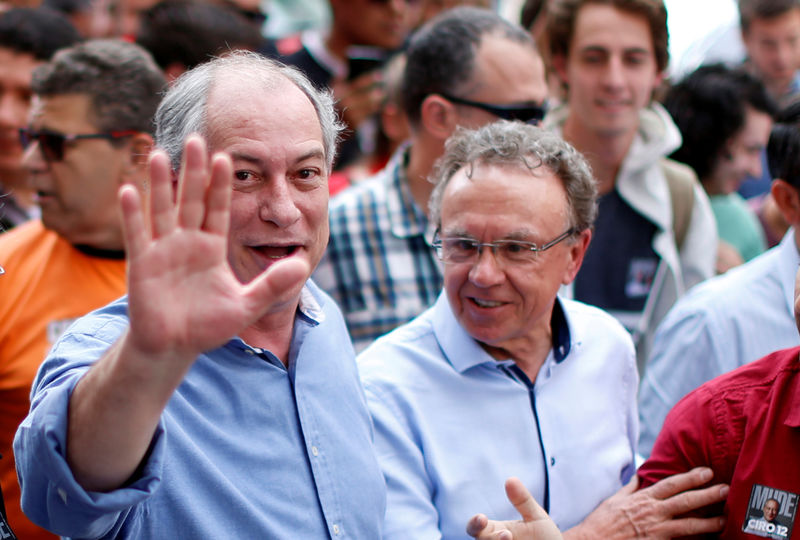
<point x="89" y="133"/>
<point x="655" y="234"/>
<point x="28" y="38"/>
<point x="467" y="67"/>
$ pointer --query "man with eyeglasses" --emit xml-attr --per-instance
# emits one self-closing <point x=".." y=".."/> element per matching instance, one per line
<point x="466" y="67"/>
<point x="501" y="378"/>
<point x="89" y="133"/>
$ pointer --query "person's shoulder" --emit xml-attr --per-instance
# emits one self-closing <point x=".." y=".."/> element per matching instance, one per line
<point x="367" y="192"/>
<point x="745" y="381"/>
<point x="24" y="238"/>
<point x="585" y="318"/>
<point x="406" y="349"/>
<point x="735" y="289"/>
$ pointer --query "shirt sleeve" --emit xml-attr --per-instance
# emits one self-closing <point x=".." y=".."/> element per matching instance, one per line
<point x="51" y="497"/>
<point x="410" y="510"/>
<point x="682" y="443"/>
<point x="687" y="352"/>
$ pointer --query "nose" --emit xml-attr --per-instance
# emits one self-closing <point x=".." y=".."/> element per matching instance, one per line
<point x="32" y="159"/>
<point x="13" y="110"/>
<point x="613" y="74"/>
<point x="486" y="271"/>
<point x="755" y="166"/>
<point x="277" y="204"/>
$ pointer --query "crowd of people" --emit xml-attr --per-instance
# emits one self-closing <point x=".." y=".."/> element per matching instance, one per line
<point x="426" y="273"/>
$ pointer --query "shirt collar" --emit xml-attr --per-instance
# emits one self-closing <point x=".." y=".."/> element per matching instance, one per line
<point x="464" y="353"/>
<point x="405" y="216"/>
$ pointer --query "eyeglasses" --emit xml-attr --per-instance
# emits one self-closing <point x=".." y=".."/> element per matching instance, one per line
<point x="459" y="249"/>
<point x="52" y="143"/>
<point x="530" y="113"/>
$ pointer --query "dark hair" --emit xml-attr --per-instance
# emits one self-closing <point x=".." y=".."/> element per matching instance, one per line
<point x="68" y="7"/>
<point x="709" y="107"/>
<point x="441" y="54"/>
<point x="39" y="32"/>
<point x="783" y="148"/>
<point x="190" y="33"/>
<point x="531" y="11"/>
<point x="562" y="14"/>
<point x="749" y="10"/>
<point x="123" y="83"/>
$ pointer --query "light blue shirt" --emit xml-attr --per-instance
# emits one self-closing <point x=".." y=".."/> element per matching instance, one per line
<point x="244" y="449"/>
<point x="719" y="325"/>
<point x="452" y="423"/>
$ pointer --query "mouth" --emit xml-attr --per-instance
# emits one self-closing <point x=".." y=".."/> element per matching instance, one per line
<point x="486" y="304"/>
<point x="273" y="252"/>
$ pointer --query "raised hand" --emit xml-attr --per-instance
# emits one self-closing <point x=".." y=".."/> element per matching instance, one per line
<point x="535" y="523"/>
<point x="183" y="297"/>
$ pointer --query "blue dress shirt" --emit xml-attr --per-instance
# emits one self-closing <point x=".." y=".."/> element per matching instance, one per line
<point x="245" y="448"/>
<point x="721" y="324"/>
<point x="452" y="423"/>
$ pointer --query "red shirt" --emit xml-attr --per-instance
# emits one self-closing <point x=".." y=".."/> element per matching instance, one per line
<point x="745" y="425"/>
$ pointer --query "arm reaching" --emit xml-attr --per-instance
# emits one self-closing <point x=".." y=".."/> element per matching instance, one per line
<point x="535" y="523"/>
<point x="657" y="512"/>
<point x="183" y="299"/>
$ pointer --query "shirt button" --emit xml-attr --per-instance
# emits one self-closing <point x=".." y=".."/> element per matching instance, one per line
<point x="552" y="462"/>
<point x="251" y="352"/>
<point x="336" y="529"/>
<point x="314" y="451"/>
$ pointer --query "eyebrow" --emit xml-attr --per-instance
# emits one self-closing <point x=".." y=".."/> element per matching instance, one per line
<point x="312" y="154"/>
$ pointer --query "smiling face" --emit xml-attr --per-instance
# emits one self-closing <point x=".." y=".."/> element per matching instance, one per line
<point x="742" y="155"/>
<point x="773" y="46"/>
<point x="610" y="70"/>
<point x="279" y="205"/>
<point x="770" y="510"/>
<point x="506" y="307"/>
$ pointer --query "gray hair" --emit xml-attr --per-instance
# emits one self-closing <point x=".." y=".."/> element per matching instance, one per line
<point x="121" y="80"/>
<point x="183" y="110"/>
<point x="524" y="146"/>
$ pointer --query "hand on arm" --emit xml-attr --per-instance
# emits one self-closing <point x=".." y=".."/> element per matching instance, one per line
<point x="656" y="512"/>
<point x="535" y="523"/>
<point x="183" y="299"/>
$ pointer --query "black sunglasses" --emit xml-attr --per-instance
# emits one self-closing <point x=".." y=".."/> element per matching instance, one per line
<point x="530" y="113"/>
<point x="52" y="143"/>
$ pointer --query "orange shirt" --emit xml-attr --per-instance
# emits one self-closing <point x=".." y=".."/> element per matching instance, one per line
<point x="47" y="284"/>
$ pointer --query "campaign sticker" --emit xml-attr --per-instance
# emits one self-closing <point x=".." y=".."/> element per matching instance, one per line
<point x="771" y="512"/>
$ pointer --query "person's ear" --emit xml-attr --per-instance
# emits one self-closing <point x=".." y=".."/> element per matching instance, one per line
<point x="577" y="249"/>
<point x="787" y="199"/>
<point x="438" y="116"/>
<point x="136" y="159"/>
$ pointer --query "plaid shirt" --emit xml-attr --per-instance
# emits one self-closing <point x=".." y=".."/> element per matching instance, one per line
<point x="379" y="265"/>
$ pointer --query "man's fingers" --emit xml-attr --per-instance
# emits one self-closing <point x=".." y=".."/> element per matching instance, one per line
<point x="278" y="284"/>
<point x="689" y="501"/>
<point x="192" y="183"/>
<point x="162" y="213"/>
<point x="133" y="227"/>
<point x="678" y="483"/>
<point x="692" y="526"/>
<point x="218" y="196"/>
<point x="476" y="525"/>
<point x="523" y="501"/>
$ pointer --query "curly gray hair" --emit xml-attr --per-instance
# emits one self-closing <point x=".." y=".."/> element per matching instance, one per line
<point x="522" y="145"/>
